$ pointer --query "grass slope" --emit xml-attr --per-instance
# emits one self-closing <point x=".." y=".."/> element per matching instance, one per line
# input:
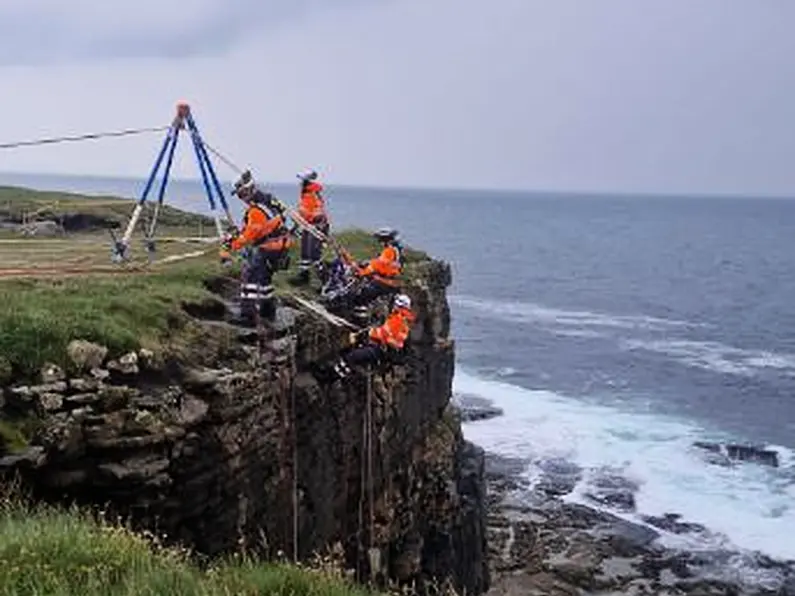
<point x="123" y="312"/>
<point x="44" y="551"/>
<point x="16" y="202"/>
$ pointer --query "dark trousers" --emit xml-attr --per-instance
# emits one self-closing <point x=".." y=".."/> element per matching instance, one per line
<point x="369" y="353"/>
<point x="370" y="290"/>
<point x="256" y="284"/>
<point x="311" y="247"/>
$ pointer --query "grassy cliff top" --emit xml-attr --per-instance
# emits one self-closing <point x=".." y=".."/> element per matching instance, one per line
<point x="96" y="212"/>
<point x="124" y="311"/>
<point x="46" y="551"/>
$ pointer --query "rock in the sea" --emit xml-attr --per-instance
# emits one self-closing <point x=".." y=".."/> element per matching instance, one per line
<point x="737" y="452"/>
<point x="610" y="489"/>
<point x="559" y="476"/>
<point x="86" y="355"/>
<point x="473" y="407"/>
<point x="671" y="522"/>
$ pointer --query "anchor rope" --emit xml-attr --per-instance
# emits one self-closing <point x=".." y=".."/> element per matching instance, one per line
<point x="83" y="137"/>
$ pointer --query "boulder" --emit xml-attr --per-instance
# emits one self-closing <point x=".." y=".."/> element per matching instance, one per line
<point x="52" y="373"/>
<point x="126" y="365"/>
<point x="86" y="355"/>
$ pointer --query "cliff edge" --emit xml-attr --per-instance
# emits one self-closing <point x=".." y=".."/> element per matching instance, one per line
<point x="220" y="449"/>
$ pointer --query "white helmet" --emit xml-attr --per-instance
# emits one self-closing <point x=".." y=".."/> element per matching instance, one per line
<point x="307" y="175"/>
<point x="402" y="301"/>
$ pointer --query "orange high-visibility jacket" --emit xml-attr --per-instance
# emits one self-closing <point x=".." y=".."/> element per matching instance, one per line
<point x="262" y="230"/>
<point x="311" y="205"/>
<point x="386" y="266"/>
<point x="395" y="330"/>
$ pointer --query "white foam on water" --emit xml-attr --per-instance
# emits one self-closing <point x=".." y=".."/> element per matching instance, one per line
<point x="529" y="312"/>
<point x="752" y="505"/>
<point x="717" y="357"/>
<point x="626" y="329"/>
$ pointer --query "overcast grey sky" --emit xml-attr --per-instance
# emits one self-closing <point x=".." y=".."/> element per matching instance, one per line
<point x="607" y="95"/>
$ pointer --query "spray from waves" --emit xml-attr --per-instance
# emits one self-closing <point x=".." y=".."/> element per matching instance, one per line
<point x="717" y="357"/>
<point x="528" y="312"/>
<point x="707" y="355"/>
<point x="750" y="505"/>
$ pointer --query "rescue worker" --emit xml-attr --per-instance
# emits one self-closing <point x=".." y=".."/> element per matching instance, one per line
<point x="312" y="208"/>
<point x="382" y="341"/>
<point x="379" y="276"/>
<point x="267" y="239"/>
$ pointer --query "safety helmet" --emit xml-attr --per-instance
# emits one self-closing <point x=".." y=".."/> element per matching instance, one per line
<point x="402" y="301"/>
<point x="307" y="175"/>
<point x="244" y="185"/>
<point x="386" y="234"/>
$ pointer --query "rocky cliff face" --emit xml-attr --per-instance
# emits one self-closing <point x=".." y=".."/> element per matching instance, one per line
<point x="222" y="449"/>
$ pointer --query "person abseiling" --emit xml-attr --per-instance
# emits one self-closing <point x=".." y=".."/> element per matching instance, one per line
<point x="312" y="208"/>
<point x="389" y="337"/>
<point x="268" y="239"/>
<point x="380" y="276"/>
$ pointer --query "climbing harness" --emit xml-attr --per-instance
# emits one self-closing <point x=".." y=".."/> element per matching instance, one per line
<point x="183" y="119"/>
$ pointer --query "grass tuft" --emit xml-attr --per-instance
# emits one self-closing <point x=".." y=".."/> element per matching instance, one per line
<point x="60" y="553"/>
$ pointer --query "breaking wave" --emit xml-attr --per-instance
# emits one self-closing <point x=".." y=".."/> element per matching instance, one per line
<point x="746" y="506"/>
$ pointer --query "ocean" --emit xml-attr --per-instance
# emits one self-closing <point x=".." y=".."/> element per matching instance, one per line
<point x="613" y="332"/>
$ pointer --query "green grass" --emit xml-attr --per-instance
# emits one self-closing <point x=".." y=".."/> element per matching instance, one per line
<point x="124" y="312"/>
<point x="15" y="202"/>
<point x="40" y="317"/>
<point x="44" y="551"/>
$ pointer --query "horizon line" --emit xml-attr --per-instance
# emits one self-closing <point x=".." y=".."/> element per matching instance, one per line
<point x="470" y="189"/>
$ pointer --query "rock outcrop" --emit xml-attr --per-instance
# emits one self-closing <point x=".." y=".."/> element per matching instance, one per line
<point x="220" y="447"/>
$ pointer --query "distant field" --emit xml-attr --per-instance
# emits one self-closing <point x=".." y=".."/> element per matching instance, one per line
<point x="87" y="250"/>
<point x="86" y="242"/>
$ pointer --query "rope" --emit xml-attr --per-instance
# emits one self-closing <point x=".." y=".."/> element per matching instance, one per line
<point x="294" y="433"/>
<point x="224" y="159"/>
<point x="370" y="451"/>
<point x="84" y="137"/>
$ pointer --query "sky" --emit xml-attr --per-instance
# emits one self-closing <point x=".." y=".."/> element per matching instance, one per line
<point x="661" y="96"/>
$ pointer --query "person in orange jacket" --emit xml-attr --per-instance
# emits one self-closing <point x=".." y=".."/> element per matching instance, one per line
<point x="265" y="235"/>
<point x="389" y="337"/>
<point x="379" y="276"/>
<point x="312" y="208"/>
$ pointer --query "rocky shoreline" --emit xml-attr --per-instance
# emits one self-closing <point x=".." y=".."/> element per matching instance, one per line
<point x="540" y="543"/>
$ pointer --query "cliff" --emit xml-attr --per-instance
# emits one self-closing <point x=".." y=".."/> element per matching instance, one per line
<point x="222" y="448"/>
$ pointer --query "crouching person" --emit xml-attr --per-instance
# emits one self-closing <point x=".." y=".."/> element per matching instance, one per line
<point x="389" y="337"/>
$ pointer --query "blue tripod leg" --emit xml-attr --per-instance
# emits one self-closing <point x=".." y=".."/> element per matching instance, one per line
<point x="196" y="146"/>
<point x="211" y="171"/>
<point x="120" y="248"/>
<point x="149" y="235"/>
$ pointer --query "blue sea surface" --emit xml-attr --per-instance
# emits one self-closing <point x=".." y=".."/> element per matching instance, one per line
<point x="613" y="330"/>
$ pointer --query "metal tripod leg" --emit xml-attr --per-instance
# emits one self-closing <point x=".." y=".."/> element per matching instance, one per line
<point x="119" y="252"/>
<point x="149" y="235"/>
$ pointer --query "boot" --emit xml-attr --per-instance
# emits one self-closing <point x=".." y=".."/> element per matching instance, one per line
<point x="300" y="279"/>
<point x="361" y="315"/>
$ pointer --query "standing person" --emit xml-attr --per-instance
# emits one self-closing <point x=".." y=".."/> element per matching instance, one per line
<point x="265" y="235"/>
<point x="312" y="208"/>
